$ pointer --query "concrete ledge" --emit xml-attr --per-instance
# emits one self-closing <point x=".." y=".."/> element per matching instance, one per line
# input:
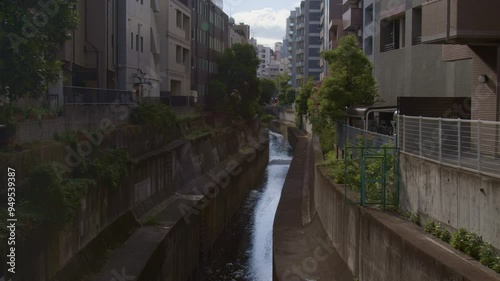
<point x="302" y="252"/>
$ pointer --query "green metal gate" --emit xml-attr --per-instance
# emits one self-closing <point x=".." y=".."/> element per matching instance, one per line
<point x="372" y="176"/>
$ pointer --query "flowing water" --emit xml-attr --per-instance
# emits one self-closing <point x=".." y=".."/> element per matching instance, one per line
<point x="246" y="250"/>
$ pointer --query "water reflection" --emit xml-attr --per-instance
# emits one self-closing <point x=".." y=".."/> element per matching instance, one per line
<point x="249" y="256"/>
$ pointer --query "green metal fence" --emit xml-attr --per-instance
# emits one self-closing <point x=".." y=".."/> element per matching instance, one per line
<point x="372" y="175"/>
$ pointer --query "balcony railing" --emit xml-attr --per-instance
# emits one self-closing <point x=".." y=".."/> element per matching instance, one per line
<point x="82" y="96"/>
<point x="388" y="47"/>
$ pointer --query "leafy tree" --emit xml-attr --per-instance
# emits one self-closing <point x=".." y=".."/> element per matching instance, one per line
<point x="31" y="33"/>
<point x="238" y="73"/>
<point x="281" y="81"/>
<point x="304" y="95"/>
<point x="267" y="90"/>
<point x="290" y="95"/>
<point x="351" y="81"/>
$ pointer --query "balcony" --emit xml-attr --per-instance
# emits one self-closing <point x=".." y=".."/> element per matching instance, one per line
<point x="470" y="22"/>
<point x="322" y="19"/>
<point x="321" y="34"/>
<point x="352" y="19"/>
<point x="299" y="51"/>
<point x="322" y="7"/>
<point x="299" y="64"/>
<point x="300" y="26"/>
<point x="300" y="38"/>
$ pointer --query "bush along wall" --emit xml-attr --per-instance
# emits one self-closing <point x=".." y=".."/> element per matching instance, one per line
<point x="466" y="242"/>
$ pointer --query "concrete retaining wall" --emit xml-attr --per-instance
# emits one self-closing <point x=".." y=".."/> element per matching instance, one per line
<point x="159" y="173"/>
<point x="454" y="197"/>
<point x="378" y="246"/>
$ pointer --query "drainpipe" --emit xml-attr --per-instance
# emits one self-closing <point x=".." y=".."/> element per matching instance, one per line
<point x="497" y="148"/>
<point x="448" y="20"/>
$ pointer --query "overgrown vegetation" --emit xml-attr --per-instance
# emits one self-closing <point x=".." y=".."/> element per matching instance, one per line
<point x="30" y="37"/>
<point x="266" y="118"/>
<point x="351" y="83"/>
<point x="466" y="242"/>
<point x="159" y="116"/>
<point x="437" y="230"/>
<point x="107" y="165"/>
<point x="48" y="200"/>
<point x="348" y="171"/>
<point x="236" y="88"/>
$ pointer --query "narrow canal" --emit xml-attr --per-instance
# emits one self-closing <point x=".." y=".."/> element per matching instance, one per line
<point x="245" y="248"/>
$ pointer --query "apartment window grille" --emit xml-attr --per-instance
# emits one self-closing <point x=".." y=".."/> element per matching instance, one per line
<point x="142" y="44"/>
<point x="137" y="42"/>
<point x="132" y="40"/>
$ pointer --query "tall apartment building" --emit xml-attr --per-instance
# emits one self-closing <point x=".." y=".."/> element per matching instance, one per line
<point x="291" y="37"/>
<point x="264" y="55"/>
<point x="308" y="42"/>
<point x="209" y="39"/>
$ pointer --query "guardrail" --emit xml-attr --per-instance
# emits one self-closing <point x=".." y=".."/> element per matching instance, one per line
<point x="83" y="95"/>
<point x="472" y="145"/>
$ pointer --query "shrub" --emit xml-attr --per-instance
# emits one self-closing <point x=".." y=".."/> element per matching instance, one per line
<point x="157" y="115"/>
<point x="441" y="233"/>
<point x="430" y="226"/>
<point x="108" y="165"/>
<point x="487" y="255"/>
<point x="267" y="117"/>
<point x="459" y="239"/>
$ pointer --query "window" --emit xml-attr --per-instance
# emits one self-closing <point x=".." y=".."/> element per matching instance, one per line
<point x="178" y="54"/>
<point x="142" y="44"/>
<point x="132" y="40"/>
<point x="417" y="26"/>
<point x="178" y="18"/>
<point x="369" y="15"/>
<point x="137" y="42"/>
<point x="392" y="34"/>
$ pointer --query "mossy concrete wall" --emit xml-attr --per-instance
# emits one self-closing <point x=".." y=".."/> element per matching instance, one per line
<point x="162" y="168"/>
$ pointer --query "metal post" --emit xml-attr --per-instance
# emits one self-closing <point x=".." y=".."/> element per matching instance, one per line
<point x="478" y="145"/>
<point x="459" y="143"/>
<point x="420" y="136"/>
<point x="440" y="138"/>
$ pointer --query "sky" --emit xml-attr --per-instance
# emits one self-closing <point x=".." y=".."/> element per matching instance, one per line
<point x="267" y="18"/>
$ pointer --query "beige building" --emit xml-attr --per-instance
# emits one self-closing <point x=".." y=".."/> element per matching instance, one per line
<point x="176" y="46"/>
<point x="117" y="45"/>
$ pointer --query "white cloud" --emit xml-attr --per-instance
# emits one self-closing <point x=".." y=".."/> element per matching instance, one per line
<point x="263" y="18"/>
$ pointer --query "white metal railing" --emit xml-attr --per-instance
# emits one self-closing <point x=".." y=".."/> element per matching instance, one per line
<point x="473" y="145"/>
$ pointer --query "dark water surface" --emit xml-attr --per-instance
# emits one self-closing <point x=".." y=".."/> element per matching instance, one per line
<point x="245" y="248"/>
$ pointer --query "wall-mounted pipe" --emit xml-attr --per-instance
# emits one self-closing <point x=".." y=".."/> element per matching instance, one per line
<point x="448" y="20"/>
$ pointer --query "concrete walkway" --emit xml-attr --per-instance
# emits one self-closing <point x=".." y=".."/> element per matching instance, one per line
<point x="302" y="252"/>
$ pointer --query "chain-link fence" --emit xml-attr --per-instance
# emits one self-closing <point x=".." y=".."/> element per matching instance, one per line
<point x="472" y="145"/>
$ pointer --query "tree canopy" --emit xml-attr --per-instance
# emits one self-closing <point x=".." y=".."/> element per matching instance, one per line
<point x="351" y="82"/>
<point x="267" y="90"/>
<point x="236" y="87"/>
<point x="31" y="34"/>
